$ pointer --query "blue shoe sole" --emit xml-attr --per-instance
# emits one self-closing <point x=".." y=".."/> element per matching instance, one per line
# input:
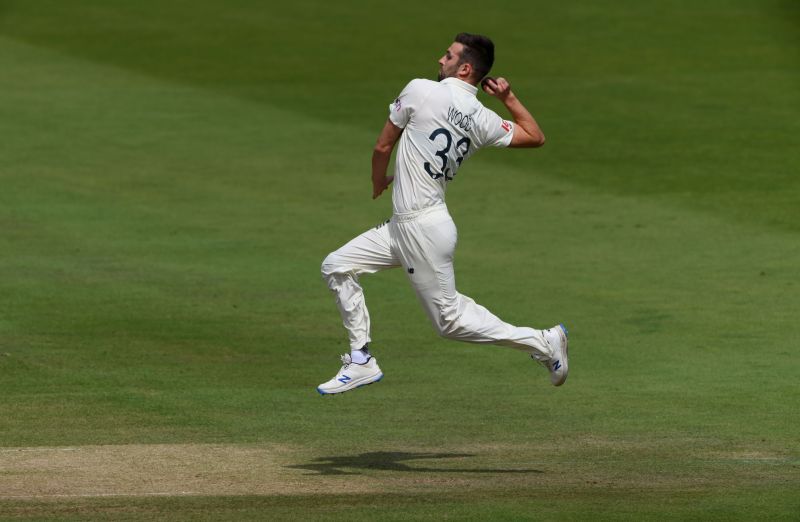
<point x="351" y="389"/>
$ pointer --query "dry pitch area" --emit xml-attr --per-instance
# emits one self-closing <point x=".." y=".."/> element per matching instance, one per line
<point x="134" y="470"/>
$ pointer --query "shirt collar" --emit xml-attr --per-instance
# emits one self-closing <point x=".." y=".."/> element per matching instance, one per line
<point x="472" y="89"/>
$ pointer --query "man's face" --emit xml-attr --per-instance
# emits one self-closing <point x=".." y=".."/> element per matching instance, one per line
<point x="448" y="64"/>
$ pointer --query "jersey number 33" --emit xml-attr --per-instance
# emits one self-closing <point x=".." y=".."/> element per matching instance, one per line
<point x="441" y="137"/>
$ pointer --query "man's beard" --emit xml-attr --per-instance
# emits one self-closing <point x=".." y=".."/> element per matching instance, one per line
<point x="445" y="73"/>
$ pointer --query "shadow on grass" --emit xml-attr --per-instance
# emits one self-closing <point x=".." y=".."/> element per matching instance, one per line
<point x="392" y="461"/>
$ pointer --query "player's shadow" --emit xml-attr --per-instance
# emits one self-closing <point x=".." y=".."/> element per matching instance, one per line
<point x="393" y="461"/>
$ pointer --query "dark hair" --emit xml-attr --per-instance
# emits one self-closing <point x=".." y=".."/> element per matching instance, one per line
<point x="478" y="51"/>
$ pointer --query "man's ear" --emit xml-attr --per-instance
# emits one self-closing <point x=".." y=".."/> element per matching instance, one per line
<point x="465" y="70"/>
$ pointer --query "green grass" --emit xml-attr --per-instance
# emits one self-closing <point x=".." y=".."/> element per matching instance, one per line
<point x="173" y="175"/>
<point x="500" y="505"/>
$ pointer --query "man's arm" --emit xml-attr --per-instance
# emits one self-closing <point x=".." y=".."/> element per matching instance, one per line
<point x="527" y="132"/>
<point x="381" y="155"/>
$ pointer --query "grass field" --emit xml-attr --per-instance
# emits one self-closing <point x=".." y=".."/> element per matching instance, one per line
<point x="173" y="173"/>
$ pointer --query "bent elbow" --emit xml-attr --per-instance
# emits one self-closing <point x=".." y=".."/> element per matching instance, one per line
<point x="382" y="149"/>
<point x="534" y="141"/>
<point x="528" y="140"/>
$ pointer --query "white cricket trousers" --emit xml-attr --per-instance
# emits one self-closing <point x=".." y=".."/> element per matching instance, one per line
<point x="423" y="243"/>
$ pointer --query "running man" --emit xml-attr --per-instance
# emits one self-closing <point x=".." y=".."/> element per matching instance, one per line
<point x="438" y="126"/>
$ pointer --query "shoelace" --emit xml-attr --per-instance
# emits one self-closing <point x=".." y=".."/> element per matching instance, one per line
<point x="346" y="361"/>
<point x="541" y="359"/>
<point x="543" y="362"/>
<point x="546" y="361"/>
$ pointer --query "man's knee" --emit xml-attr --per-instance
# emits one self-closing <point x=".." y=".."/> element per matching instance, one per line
<point x="330" y="266"/>
<point x="443" y="330"/>
<point x="446" y="322"/>
<point x="336" y="274"/>
<point x="448" y="330"/>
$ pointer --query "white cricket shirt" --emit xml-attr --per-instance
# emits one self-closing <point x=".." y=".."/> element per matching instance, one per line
<point x="444" y="124"/>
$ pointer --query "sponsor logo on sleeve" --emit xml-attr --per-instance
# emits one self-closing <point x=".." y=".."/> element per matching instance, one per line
<point x="397" y="105"/>
<point x="506" y="126"/>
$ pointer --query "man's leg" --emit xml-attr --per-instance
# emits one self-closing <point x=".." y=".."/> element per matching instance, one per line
<point x="366" y="254"/>
<point x="426" y="249"/>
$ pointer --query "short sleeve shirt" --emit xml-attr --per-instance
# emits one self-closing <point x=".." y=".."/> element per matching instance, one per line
<point x="443" y="124"/>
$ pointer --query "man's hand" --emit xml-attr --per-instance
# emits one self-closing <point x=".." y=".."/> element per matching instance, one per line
<point x="497" y="87"/>
<point x="378" y="187"/>
<point x="527" y="132"/>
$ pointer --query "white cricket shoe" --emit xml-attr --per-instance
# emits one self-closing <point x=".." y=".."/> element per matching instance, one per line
<point x="352" y="376"/>
<point x="558" y="363"/>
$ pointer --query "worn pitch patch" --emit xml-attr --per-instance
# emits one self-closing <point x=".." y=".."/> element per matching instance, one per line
<point x="141" y="470"/>
<point x="150" y="470"/>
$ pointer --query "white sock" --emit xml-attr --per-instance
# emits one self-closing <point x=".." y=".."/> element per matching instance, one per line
<point x="359" y="356"/>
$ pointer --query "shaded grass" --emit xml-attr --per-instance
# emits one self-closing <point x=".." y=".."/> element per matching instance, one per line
<point x="597" y="503"/>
